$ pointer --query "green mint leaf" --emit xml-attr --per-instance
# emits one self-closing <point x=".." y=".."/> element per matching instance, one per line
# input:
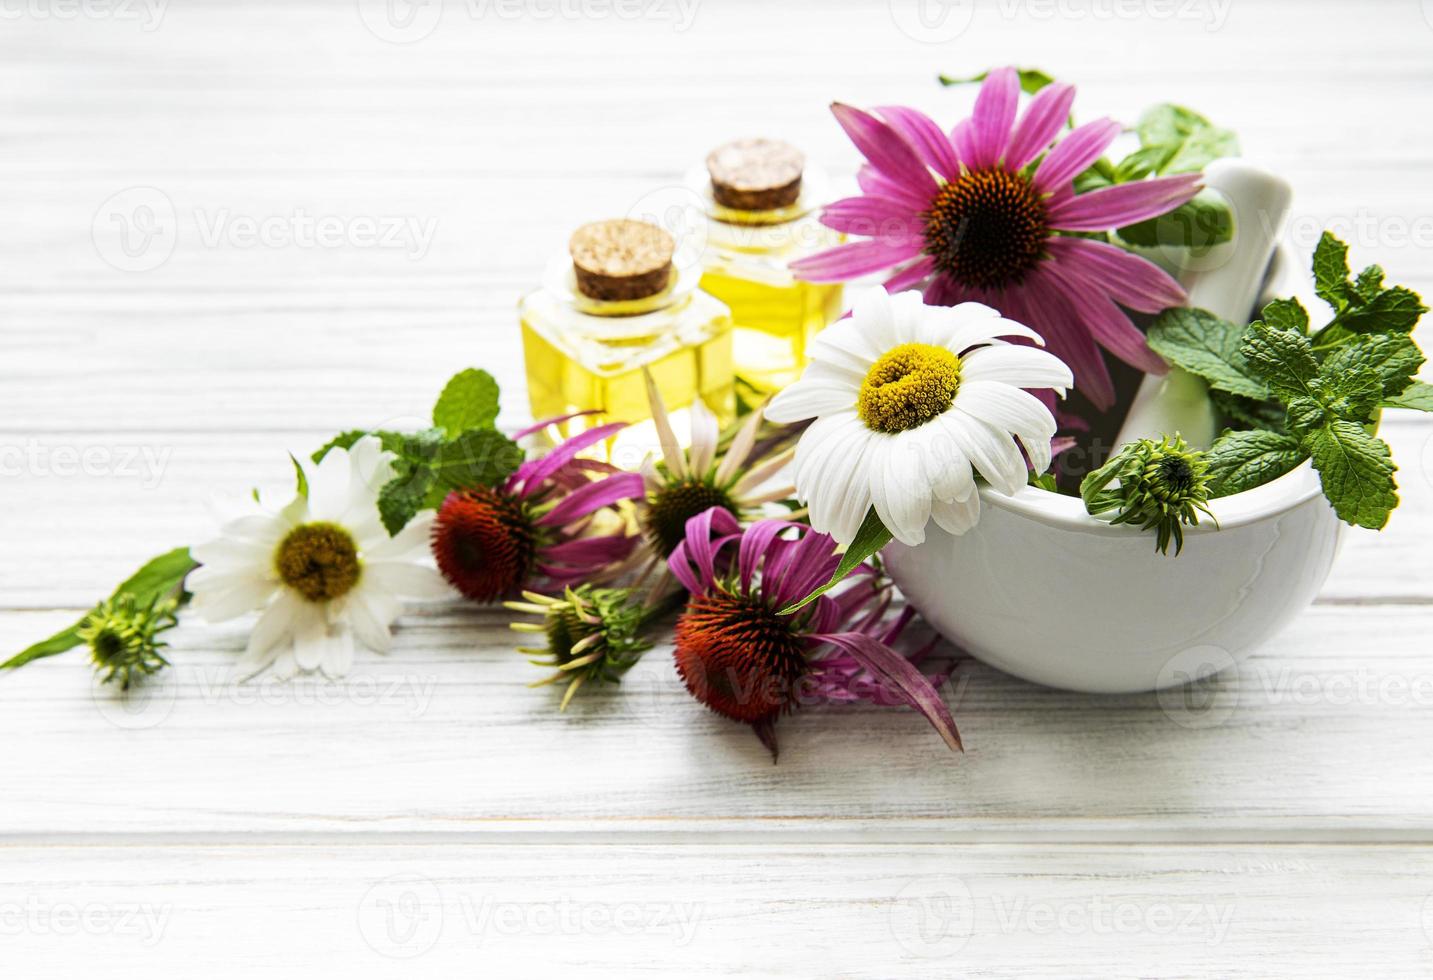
<point x="159" y="577"/>
<point x="1190" y="141"/>
<point x="1393" y="357"/>
<point x="1032" y="80"/>
<point x="1202" y="222"/>
<point x="1369" y="283"/>
<point x="414" y="447"/>
<point x="1248" y="411"/>
<point x="1356" y="470"/>
<point x="1283" y="358"/>
<point x="404" y="496"/>
<point x="871" y="538"/>
<point x="1331" y="271"/>
<point x="469" y="401"/>
<point x="1287" y="314"/>
<point x="1392" y="310"/>
<point x="1240" y="461"/>
<point x="478" y="457"/>
<point x="1352" y="394"/>
<point x="1208" y="346"/>
<point x="344" y="440"/>
<point x="1417" y="396"/>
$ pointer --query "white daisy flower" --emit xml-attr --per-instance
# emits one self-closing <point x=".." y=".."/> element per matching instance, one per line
<point x="323" y="570"/>
<point x="910" y="402"/>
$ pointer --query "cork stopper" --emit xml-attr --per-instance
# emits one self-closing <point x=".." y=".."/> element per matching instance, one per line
<point x="621" y="259"/>
<point x="756" y="174"/>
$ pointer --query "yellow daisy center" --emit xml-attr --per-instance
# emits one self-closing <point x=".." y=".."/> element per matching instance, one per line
<point x="319" y="561"/>
<point x="909" y="385"/>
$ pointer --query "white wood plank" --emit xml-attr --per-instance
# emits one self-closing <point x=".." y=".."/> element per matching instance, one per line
<point x="1319" y="735"/>
<point x="701" y="910"/>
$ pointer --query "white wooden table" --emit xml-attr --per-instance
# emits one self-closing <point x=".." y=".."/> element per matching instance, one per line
<point x="431" y="814"/>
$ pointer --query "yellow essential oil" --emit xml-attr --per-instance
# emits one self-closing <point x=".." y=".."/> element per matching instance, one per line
<point x="759" y="209"/>
<point x="586" y="352"/>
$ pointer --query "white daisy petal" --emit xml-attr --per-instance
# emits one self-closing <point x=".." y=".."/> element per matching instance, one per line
<point x="705" y="433"/>
<point x="369" y="616"/>
<point x="233" y="554"/>
<point x="407" y="579"/>
<point x="993" y="452"/>
<point x="849" y="490"/>
<point x="1023" y="367"/>
<point x="220" y="598"/>
<point x="951" y="476"/>
<point x="338" y="657"/>
<point x="956" y="516"/>
<point x="805" y="400"/>
<point x="328" y="485"/>
<point x="1015" y="409"/>
<point x="310" y="640"/>
<point x="898" y="489"/>
<point x="409" y="543"/>
<point x="908" y="318"/>
<point x="274" y="627"/>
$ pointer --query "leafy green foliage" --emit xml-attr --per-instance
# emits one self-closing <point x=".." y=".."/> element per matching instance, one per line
<point x="1208" y="346"/>
<point x="872" y="536"/>
<point x="1200" y="223"/>
<point x="1357" y="471"/>
<point x="1309" y="395"/>
<point x="1175" y="140"/>
<point x="1417" y="396"/>
<point x="1240" y="461"/>
<point x="468" y="401"/>
<point x="1159" y="485"/>
<point x="462" y="449"/>
<point x="159" y="578"/>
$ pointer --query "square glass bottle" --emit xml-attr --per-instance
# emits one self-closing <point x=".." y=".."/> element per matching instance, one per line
<point x="617" y="305"/>
<point x="760" y="206"/>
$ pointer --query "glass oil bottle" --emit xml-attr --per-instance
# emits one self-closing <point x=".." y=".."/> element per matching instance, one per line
<point x="760" y="206"/>
<point x="614" y="306"/>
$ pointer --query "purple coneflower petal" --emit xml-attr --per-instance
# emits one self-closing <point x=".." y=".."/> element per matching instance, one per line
<point x="532" y="473"/>
<point x="593" y="496"/>
<point x="992" y="118"/>
<point x="886" y="220"/>
<point x="1123" y="204"/>
<point x="1073" y="154"/>
<point x="852" y="261"/>
<point x="1041" y="123"/>
<point x="945" y="291"/>
<point x="755" y="544"/>
<point x="925" y="137"/>
<point x="903" y="677"/>
<point x="1107" y="323"/>
<point x="1042" y="305"/>
<point x="1129" y="279"/>
<point x="698" y="549"/>
<point x="873" y="182"/>
<point x="888" y="152"/>
<point x="588" y="551"/>
<point x="555" y="420"/>
<point x="912" y="275"/>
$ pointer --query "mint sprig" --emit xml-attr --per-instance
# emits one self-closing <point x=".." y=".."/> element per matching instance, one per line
<point x="1309" y="395"/>
<point x="463" y="449"/>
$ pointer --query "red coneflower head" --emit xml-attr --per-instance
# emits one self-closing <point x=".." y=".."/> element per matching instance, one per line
<point x="485" y="543"/>
<point x="535" y="531"/>
<point x="745" y="660"/>
<point x="738" y="657"/>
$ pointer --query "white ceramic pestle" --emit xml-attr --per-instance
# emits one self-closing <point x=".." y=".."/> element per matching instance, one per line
<point x="1226" y="281"/>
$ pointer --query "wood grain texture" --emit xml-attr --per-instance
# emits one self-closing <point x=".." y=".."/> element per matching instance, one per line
<point x="1283" y="815"/>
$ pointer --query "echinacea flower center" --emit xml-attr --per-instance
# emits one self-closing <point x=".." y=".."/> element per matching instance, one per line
<point x="670" y="507"/>
<point x="484" y="542"/>
<point x="986" y="229"/>
<point x="738" y="657"/>
<point x="1173" y="477"/>
<point x="319" y="561"/>
<point x="907" y="387"/>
